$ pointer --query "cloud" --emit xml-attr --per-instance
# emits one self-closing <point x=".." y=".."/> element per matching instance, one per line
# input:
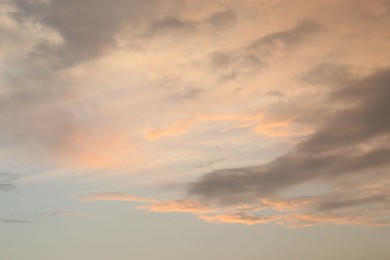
<point x="255" y="56"/>
<point x="179" y="206"/>
<point x="257" y="122"/>
<point x="88" y="29"/>
<point x="217" y="21"/>
<point x="113" y="196"/>
<point x="170" y="24"/>
<point x="6" y="180"/>
<point x="283" y="40"/>
<point x="329" y="73"/>
<point x="176" y="129"/>
<point x="222" y="19"/>
<point x="60" y="213"/>
<point x="33" y="217"/>
<point x="237" y="218"/>
<point x="350" y="146"/>
<point x="13" y="221"/>
<point x="97" y="85"/>
<point x="332" y="152"/>
<point x="361" y="206"/>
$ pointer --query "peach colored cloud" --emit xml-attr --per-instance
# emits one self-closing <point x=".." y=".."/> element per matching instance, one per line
<point x="186" y="206"/>
<point x="114" y="196"/>
<point x="259" y="123"/>
<point x="100" y="150"/>
<point x="176" y="129"/>
<point x="285" y="205"/>
<point x="293" y="213"/>
<point x="239" y="218"/>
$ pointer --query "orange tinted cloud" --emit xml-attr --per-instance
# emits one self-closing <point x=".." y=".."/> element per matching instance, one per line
<point x="114" y="196"/>
<point x="240" y="218"/>
<point x="97" y="150"/>
<point x="282" y="128"/>
<point x="299" y="215"/>
<point x="178" y="128"/>
<point x="285" y="205"/>
<point x="260" y="124"/>
<point x="188" y="206"/>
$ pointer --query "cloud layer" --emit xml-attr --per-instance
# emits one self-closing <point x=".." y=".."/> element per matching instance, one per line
<point x="258" y="111"/>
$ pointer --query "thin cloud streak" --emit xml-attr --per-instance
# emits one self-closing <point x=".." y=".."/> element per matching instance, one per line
<point x="113" y="196"/>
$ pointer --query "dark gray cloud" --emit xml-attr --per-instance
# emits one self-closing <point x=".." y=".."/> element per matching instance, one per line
<point x="88" y="28"/>
<point x="353" y="143"/>
<point x="365" y="118"/>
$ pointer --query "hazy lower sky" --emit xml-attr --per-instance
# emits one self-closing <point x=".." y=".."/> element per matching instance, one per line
<point x="194" y="130"/>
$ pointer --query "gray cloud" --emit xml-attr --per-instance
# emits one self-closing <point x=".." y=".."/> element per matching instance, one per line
<point x="37" y="119"/>
<point x="88" y="28"/>
<point x="345" y="203"/>
<point x="6" y="220"/>
<point x="171" y="24"/>
<point x="174" y="24"/>
<point x="37" y="105"/>
<point x="6" y="181"/>
<point x="367" y="117"/>
<point x="223" y="19"/>
<point x="284" y="39"/>
<point x="328" y="73"/>
<point x="37" y="108"/>
<point x="33" y="217"/>
<point x="352" y="143"/>
<point x="255" y="56"/>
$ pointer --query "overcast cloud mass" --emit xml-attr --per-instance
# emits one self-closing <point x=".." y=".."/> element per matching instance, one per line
<point x="261" y="113"/>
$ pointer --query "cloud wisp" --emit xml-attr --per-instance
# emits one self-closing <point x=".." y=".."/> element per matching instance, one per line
<point x="6" y="181"/>
<point x="113" y="196"/>
<point x="255" y="56"/>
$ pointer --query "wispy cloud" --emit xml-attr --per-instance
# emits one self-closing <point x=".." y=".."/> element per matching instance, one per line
<point x="113" y="196"/>
<point x="189" y="206"/>
<point x="13" y="221"/>
<point x="6" y="181"/>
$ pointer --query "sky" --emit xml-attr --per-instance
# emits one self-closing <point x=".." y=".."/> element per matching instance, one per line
<point x="183" y="129"/>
